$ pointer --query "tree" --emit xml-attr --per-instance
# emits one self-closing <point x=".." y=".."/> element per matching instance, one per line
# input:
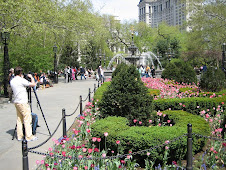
<point x="127" y="96"/>
<point x="208" y="33"/>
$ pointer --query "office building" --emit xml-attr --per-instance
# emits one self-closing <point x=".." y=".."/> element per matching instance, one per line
<point x="154" y="12"/>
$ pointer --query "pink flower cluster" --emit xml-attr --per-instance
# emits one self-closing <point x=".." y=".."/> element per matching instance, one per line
<point x="170" y="89"/>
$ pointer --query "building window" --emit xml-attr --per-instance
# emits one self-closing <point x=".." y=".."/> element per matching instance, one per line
<point x="161" y="7"/>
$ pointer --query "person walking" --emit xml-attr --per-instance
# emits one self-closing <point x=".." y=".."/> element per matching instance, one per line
<point x="82" y="72"/>
<point x="65" y="74"/>
<point x="19" y="84"/>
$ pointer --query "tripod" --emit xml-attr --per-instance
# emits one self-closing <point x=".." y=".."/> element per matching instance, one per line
<point x="30" y="102"/>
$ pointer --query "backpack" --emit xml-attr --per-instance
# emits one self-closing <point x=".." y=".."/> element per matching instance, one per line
<point x="34" y="123"/>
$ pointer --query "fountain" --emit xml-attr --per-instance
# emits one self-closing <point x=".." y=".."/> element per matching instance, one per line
<point x="133" y="59"/>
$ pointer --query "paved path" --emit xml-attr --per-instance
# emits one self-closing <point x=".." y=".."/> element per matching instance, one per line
<point x="52" y="100"/>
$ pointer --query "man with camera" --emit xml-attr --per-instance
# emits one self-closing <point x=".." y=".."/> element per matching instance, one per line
<point x="19" y="84"/>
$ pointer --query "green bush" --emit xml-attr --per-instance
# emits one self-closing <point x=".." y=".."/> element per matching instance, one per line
<point x="212" y="80"/>
<point x="179" y="71"/>
<point x="99" y="92"/>
<point x="127" y="97"/>
<point x="192" y="105"/>
<point x="119" y="68"/>
<point x="141" y="138"/>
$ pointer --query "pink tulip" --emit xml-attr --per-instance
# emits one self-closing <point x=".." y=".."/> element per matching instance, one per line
<point x="105" y="134"/>
<point x="37" y="162"/>
<point x="88" y="130"/>
<point x="118" y="141"/>
<point x="84" y="149"/>
<point x="94" y="139"/>
<point x="98" y="139"/>
<point x="104" y="155"/>
<point x="90" y="150"/>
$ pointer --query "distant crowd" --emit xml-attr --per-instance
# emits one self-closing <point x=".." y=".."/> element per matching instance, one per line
<point x="146" y="71"/>
<point x="72" y="73"/>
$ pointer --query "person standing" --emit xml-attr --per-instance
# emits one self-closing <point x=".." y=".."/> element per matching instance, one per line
<point x="76" y="72"/>
<point x="11" y="76"/>
<point x="153" y="72"/>
<point x="65" y="74"/>
<point x="19" y="84"/>
<point x="82" y="72"/>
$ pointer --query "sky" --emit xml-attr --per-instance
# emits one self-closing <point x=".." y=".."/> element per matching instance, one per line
<point x="123" y="9"/>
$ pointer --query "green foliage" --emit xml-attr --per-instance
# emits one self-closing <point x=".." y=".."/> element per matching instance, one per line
<point x="179" y="71"/>
<point x="120" y="67"/>
<point x="127" y="97"/>
<point x="192" y="105"/>
<point x="153" y="92"/>
<point x="212" y="80"/>
<point x="141" y="138"/>
<point x="187" y="89"/>
<point x="99" y="92"/>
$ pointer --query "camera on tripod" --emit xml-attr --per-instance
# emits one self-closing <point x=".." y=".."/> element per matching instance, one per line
<point x="28" y="78"/>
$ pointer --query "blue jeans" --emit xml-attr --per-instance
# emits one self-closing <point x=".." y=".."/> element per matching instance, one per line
<point x="82" y="75"/>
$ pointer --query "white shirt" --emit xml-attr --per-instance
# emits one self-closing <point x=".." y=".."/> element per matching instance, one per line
<point x="19" y="85"/>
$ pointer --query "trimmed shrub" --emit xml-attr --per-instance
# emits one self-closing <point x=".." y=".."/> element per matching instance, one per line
<point x="179" y="71"/>
<point x="119" y="68"/>
<point x="127" y="97"/>
<point x="212" y="80"/>
<point x="99" y="92"/>
<point x="192" y="105"/>
<point x="141" y="138"/>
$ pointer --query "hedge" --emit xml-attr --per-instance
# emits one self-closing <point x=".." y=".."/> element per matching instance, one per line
<point x="192" y="105"/>
<point x="99" y="92"/>
<point x="138" y="138"/>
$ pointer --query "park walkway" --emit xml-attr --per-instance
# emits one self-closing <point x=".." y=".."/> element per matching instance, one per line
<point x="52" y="100"/>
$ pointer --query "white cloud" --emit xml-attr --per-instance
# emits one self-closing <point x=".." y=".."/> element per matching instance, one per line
<point x="124" y="9"/>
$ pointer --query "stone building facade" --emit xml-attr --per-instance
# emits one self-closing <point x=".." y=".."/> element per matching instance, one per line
<point x="154" y="12"/>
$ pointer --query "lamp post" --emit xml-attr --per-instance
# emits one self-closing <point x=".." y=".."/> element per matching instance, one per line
<point x="100" y="55"/>
<point x="223" y="57"/>
<point x="6" y="65"/>
<point x="170" y="54"/>
<point x="55" y="65"/>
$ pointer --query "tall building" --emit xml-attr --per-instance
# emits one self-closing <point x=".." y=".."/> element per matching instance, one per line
<point x="154" y="12"/>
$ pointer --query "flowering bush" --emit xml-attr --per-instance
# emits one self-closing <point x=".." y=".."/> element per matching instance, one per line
<point x="214" y="156"/>
<point x="80" y="150"/>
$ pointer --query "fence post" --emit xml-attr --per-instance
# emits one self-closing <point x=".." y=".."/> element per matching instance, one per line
<point x="94" y="88"/>
<point x="80" y="105"/>
<point x="189" y="148"/>
<point x="25" y="155"/>
<point x="89" y="95"/>
<point x="64" y="123"/>
<point x="98" y="85"/>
